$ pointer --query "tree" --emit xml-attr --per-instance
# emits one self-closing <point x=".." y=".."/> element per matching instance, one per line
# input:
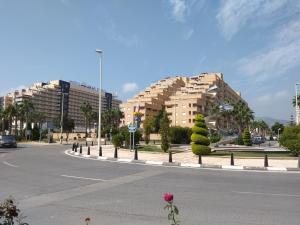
<point x="9" y="114"/>
<point x="39" y="118"/>
<point x="247" y="138"/>
<point x="110" y="120"/>
<point x="27" y="108"/>
<point x="180" y="135"/>
<point x="200" y="141"/>
<point x="261" y="126"/>
<point x="242" y="114"/>
<point x="148" y="127"/>
<point x="277" y="127"/>
<point x="68" y="125"/>
<point x="86" y="109"/>
<point x="157" y="119"/>
<point x="118" y="140"/>
<point x="164" y="127"/>
<point x="294" y="101"/>
<point x="290" y="139"/>
<point x="126" y="135"/>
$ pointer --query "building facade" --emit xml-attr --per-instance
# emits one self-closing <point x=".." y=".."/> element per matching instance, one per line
<point x="183" y="98"/>
<point x="59" y="96"/>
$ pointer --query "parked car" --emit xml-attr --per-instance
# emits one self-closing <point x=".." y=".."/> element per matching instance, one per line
<point x="8" y="141"/>
<point x="258" y="140"/>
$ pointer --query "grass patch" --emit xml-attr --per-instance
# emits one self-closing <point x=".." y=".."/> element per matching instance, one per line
<point x="252" y="154"/>
<point x="150" y="148"/>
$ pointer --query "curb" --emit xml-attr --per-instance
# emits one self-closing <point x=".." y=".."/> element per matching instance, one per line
<point x="183" y="165"/>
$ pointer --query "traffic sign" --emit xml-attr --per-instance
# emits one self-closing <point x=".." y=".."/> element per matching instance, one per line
<point x="132" y="128"/>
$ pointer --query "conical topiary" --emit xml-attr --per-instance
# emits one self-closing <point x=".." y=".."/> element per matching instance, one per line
<point x="247" y="138"/>
<point x="200" y="141"/>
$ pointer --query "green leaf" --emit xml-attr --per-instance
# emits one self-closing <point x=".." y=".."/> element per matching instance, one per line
<point x="176" y="210"/>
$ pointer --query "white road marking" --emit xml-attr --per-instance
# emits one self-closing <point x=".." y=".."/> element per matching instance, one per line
<point x="9" y="164"/>
<point x="266" y="194"/>
<point x="154" y="162"/>
<point x="190" y="165"/>
<point x="276" y="169"/>
<point x="124" y="160"/>
<point x="83" y="178"/>
<point x="233" y="167"/>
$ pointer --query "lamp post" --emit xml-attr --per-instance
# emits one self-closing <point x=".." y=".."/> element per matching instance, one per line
<point x="62" y="117"/>
<point x="297" y="106"/>
<point x="100" y="100"/>
<point x="279" y="129"/>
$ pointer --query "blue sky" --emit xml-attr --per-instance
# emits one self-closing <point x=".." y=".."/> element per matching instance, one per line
<point x="256" y="44"/>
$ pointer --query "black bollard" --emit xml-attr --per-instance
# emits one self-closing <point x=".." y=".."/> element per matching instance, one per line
<point x="299" y="161"/>
<point x="73" y="147"/>
<point x="80" y="149"/>
<point x="200" y="160"/>
<point x="89" y="150"/>
<point x="86" y="144"/>
<point x="266" y="164"/>
<point x="92" y="143"/>
<point x="170" y="157"/>
<point x="231" y="160"/>
<point x="100" y="151"/>
<point x="136" y="154"/>
<point x="116" y="153"/>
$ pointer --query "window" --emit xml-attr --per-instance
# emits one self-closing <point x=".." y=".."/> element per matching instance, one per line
<point x="190" y="120"/>
<point x="190" y="105"/>
<point x="190" y="113"/>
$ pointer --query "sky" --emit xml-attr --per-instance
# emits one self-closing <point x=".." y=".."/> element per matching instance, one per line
<point x="255" y="44"/>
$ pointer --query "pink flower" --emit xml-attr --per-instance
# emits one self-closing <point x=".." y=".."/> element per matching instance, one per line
<point x="168" y="197"/>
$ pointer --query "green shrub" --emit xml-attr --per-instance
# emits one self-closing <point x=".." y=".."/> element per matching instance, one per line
<point x="118" y="140"/>
<point x="200" y="149"/>
<point x="247" y="138"/>
<point x="290" y="139"/>
<point x="239" y="140"/>
<point x="214" y="138"/>
<point x="200" y="141"/>
<point x="126" y="135"/>
<point x="199" y="130"/>
<point x="180" y="135"/>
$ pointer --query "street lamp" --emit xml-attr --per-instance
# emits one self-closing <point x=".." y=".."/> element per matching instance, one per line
<point x="279" y="129"/>
<point x="100" y="101"/>
<point x="297" y="107"/>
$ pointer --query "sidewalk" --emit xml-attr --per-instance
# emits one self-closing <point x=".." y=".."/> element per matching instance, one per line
<point x="190" y="158"/>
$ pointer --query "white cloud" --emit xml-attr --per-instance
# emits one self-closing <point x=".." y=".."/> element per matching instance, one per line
<point x="179" y="8"/>
<point x="234" y="15"/>
<point x="282" y="54"/>
<point x="129" y="87"/>
<point x="188" y="34"/>
<point x="271" y="63"/>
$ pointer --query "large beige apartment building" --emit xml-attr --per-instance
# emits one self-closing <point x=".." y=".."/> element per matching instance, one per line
<point x="50" y="98"/>
<point x="183" y="98"/>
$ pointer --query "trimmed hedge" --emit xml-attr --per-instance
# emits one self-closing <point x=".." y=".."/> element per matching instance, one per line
<point x="247" y="138"/>
<point x="199" y="130"/>
<point x="200" y="141"/>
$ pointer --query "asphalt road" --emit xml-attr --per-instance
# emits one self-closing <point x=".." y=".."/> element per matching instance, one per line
<point x="53" y="188"/>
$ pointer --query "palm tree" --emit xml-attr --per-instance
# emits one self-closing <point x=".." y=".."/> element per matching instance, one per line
<point x="298" y="100"/>
<point x="27" y="109"/>
<point x="86" y="109"/>
<point x="39" y="118"/>
<point x="1" y="120"/>
<point x="242" y="114"/>
<point x="9" y="114"/>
